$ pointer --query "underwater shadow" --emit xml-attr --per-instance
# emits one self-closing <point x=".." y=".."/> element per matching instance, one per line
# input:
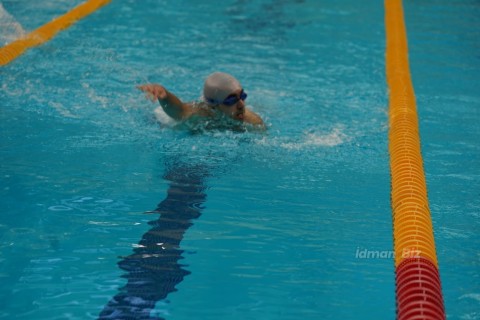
<point x="154" y="269"/>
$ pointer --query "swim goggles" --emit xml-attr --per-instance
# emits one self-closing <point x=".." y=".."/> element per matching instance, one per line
<point x="230" y="100"/>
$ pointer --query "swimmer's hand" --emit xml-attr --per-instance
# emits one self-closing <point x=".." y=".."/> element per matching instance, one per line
<point x="154" y="91"/>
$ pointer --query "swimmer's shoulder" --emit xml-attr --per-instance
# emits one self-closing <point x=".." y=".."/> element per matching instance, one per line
<point x="253" y="119"/>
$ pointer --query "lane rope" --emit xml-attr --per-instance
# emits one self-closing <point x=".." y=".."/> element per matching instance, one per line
<point x="44" y="33"/>
<point x="418" y="289"/>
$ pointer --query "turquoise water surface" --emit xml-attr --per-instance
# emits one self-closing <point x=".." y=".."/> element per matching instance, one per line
<point x="97" y="195"/>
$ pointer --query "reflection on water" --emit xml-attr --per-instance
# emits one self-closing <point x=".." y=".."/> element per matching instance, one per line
<point x="154" y="269"/>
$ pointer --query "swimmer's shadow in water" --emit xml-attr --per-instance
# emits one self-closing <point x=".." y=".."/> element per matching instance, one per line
<point x="154" y="269"/>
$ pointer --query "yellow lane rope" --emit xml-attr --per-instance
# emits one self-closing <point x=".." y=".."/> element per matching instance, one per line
<point x="413" y="232"/>
<point x="12" y="50"/>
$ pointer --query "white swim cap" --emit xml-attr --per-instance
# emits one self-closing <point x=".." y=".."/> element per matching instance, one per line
<point x="218" y="86"/>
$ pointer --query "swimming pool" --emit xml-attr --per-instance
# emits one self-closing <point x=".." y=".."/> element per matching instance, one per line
<point x="280" y="220"/>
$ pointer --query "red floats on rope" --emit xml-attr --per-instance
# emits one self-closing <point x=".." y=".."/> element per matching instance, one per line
<point x="419" y="292"/>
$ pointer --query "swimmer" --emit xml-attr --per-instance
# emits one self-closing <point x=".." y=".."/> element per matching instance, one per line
<point x="223" y="98"/>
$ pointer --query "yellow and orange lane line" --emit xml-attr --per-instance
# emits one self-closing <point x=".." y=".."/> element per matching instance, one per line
<point x="418" y="288"/>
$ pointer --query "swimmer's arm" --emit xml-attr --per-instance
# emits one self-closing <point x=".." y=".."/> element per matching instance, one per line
<point x="172" y="105"/>
<point x="175" y="108"/>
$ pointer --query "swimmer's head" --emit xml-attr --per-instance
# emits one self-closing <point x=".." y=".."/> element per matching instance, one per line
<point x="218" y="86"/>
<point x="224" y="93"/>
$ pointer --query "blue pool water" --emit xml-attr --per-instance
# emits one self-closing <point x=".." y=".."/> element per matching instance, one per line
<point x="271" y="225"/>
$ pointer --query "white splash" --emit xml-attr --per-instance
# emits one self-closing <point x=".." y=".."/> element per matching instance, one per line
<point x="163" y="118"/>
<point x="314" y="139"/>
<point x="10" y="28"/>
<point x="60" y="108"/>
<point x="474" y="296"/>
